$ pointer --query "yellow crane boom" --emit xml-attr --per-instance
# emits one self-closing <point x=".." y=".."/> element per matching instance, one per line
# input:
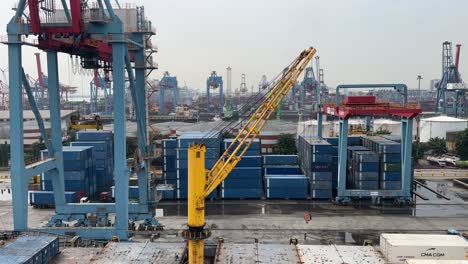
<point x="202" y="182"/>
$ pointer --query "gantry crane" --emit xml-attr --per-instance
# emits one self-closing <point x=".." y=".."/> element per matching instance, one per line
<point x="101" y="38"/>
<point x="168" y="82"/>
<point x="214" y="82"/>
<point x="452" y="82"/>
<point x="202" y="182"/>
<point x="42" y="83"/>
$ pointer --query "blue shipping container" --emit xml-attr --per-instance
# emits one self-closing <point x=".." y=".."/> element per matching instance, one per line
<point x="390" y="176"/>
<point x="321" y="176"/>
<point x="281" y="170"/>
<point x="321" y="194"/>
<point x="94" y="136"/>
<point x="280" y="160"/>
<point x="321" y="184"/>
<point x="241" y="193"/>
<point x="46" y="198"/>
<point x="390" y="185"/>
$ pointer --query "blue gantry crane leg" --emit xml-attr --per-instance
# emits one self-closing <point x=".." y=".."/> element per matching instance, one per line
<point x="120" y="159"/>
<point x="56" y="127"/>
<point x="19" y="182"/>
<point x="116" y="55"/>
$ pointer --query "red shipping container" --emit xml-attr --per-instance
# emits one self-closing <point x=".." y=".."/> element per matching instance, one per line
<point x="363" y="99"/>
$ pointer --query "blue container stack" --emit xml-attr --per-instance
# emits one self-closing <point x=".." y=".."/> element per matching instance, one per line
<point x="364" y="170"/>
<point x="349" y="173"/>
<point x="390" y="161"/>
<point x="45" y="199"/>
<point x="284" y="178"/>
<point x="334" y="162"/>
<point x="169" y="147"/>
<point x="133" y="192"/>
<point x="103" y="169"/>
<point x="213" y="148"/>
<point x="31" y="249"/>
<point x="103" y="155"/>
<point x="79" y="171"/>
<point x="315" y="158"/>
<point x="245" y="180"/>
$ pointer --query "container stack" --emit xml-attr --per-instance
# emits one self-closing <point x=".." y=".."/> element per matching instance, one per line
<point x="79" y="171"/>
<point x="353" y="141"/>
<point x="30" y="249"/>
<point x="364" y="170"/>
<point x="315" y="158"/>
<point x="103" y="155"/>
<point x="45" y="199"/>
<point x="133" y="193"/>
<point x="284" y="178"/>
<point x="245" y="180"/>
<point x="103" y="169"/>
<point x="390" y="162"/>
<point x="169" y="147"/>
<point x="334" y="162"/>
<point x="213" y="148"/>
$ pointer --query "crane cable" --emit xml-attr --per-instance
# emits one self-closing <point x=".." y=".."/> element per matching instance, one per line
<point x="249" y="107"/>
<point x="246" y="110"/>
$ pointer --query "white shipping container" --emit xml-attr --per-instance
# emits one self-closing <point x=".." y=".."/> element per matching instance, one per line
<point x="396" y="248"/>
<point x="428" y="261"/>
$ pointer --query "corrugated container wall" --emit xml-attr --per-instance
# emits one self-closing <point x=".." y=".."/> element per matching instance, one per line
<point x="396" y="248"/>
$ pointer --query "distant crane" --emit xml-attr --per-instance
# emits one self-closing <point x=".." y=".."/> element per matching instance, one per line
<point x="101" y="83"/>
<point x="263" y="83"/>
<point x="243" y="86"/>
<point x="228" y="108"/>
<point x="309" y="84"/>
<point x="4" y="95"/>
<point x="4" y="90"/>
<point x="419" y="78"/>
<point x="41" y="86"/>
<point x="212" y="83"/>
<point x="168" y="82"/>
<point x="452" y="82"/>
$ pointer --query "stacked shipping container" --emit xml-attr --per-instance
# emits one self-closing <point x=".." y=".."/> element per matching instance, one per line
<point x="79" y="171"/>
<point x="245" y="180"/>
<point x="45" y="199"/>
<point x="364" y="169"/>
<point x="390" y="161"/>
<point x="213" y="148"/>
<point x="315" y="157"/>
<point x="30" y="249"/>
<point x="103" y="155"/>
<point x="284" y="178"/>
<point x="169" y="166"/>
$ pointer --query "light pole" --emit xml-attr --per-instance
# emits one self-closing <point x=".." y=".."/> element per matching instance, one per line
<point x="419" y="88"/>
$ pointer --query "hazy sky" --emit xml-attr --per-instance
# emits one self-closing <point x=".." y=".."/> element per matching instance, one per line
<point x="358" y="41"/>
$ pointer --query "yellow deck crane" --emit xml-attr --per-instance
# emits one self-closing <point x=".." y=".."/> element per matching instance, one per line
<point x="202" y="182"/>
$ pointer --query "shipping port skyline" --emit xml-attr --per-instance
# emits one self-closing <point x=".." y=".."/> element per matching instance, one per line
<point x="207" y="132"/>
